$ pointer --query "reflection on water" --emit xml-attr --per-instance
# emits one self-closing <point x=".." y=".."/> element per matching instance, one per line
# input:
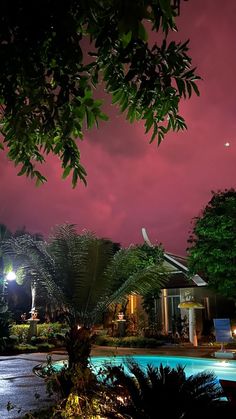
<point x="222" y="369"/>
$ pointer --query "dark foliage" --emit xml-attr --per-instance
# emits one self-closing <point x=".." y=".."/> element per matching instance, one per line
<point x="212" y="250"/>
<point x="54" y="54"/>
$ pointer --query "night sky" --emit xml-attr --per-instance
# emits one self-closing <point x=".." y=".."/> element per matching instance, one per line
<point x="132" y="184"/>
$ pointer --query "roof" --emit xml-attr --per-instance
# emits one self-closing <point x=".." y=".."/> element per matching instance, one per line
<point x="178" y="265"/>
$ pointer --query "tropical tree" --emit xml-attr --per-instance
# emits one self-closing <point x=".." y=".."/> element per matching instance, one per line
<point x="53" y="57"/>
<point x="130" y="261"/>
<point x="212" y="250"/>
<point x="75" y="270"/>
<point x="144" y="394"/>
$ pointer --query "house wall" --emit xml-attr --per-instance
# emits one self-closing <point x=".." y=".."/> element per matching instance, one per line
<point x="167" y="312"/>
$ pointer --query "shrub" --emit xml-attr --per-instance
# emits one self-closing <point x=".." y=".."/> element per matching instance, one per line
<point x="45" y="347"/>
<point x="35" y="340"/>
<point x="49" y="330"/>
<point x="46" y="332"/>
<point x="21" y="331"/>
<point x="141" y="393"/>
<point x="23" y="347"/>
<point x="13" y="339"/>
<point x="128" y="342"/>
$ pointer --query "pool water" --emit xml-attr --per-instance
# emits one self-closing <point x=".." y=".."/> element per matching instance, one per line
<point x="222" y="369"/>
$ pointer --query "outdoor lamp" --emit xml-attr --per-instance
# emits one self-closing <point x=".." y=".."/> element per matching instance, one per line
<point x="11" y="276"/>
<point x="191" y="305"/>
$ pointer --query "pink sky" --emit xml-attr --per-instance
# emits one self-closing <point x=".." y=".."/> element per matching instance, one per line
<point x="132" y="184"/>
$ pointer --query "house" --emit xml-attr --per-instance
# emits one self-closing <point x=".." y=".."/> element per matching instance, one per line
<point x="178" y="289"/>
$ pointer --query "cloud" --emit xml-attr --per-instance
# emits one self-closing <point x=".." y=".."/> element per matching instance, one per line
<point x="132" y="184"/>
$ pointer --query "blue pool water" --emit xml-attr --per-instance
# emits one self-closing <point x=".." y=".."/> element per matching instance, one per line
<point x="223" y="369"/>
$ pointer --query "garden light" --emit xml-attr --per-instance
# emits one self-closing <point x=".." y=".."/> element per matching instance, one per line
<point x="11" y="276"/>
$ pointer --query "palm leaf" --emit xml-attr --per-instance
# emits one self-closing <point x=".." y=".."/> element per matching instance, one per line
<point x="35" y="263"/>
<point x="145" y="392"/>
<point x="81" y="262"/>
<point x="140" y="282"/>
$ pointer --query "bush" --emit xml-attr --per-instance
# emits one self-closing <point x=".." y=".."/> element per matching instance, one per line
<point x="35" y="340"/>
<point x="45" y="347"/>
<point x="21" y="331"/>
<point x="23" y="347"/>
<point x="49" y="330"/>
<point x="13" y="339"/>
<point x="46" y="332"/>
<point x="128" y="342"/>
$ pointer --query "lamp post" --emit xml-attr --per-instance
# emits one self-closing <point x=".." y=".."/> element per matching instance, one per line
<point x="191" y="305"/>
<point x="33" y="321"/>
<point x="10" y="276"/>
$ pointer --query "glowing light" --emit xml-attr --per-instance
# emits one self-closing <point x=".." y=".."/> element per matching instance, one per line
<point x="227" y="144"/>
<point x="224" y="363"/>
<point x="121" y="399"/>
<point x="234" y="331"/>
<point x="11" y="276"/>
<point x="78" y="327"/>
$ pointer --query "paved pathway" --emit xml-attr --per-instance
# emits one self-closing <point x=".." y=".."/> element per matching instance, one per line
<point x="19" y="385"/>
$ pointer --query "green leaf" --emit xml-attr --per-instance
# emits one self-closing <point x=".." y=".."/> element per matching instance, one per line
<point x="117" y="95"/>
<point x="75" y="178"/>
<point x="142" y="33"/>
<point x="181" y="87"/>
<point x="90" y="118"/>
<point x="154" y="134"/>
<point x="195" y="88"/>
<point x="126" y="38"/>
<point x="22" y="171"/>
<point x="89" y="102"/>
<point x="103" y="116"/>
<point x="66" y="172"/>
<point x="189" y="88"/>
<point x="149" y="122"/>
<point x="166" y="7"/>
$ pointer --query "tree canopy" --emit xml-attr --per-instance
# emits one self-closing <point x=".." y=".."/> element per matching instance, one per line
<point x="212" y="250"/>
<point x="53" y="56"/>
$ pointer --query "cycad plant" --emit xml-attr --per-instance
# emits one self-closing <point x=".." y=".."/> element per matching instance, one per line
<point x="78" y="273"/>
<point x="161" y="392"/>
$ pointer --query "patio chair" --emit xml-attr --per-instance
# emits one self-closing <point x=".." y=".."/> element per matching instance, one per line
<point x="229" y="388"/>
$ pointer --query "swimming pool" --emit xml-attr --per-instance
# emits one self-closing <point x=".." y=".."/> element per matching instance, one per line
<point x="223" y="369"/>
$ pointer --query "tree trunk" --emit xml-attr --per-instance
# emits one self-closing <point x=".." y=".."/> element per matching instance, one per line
<point x="79" y="345"/>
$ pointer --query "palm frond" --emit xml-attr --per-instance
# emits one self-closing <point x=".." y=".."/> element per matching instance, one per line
<point x="169" y="390"/>
<point x="35" y="262"/>
<point x="140" y="282"/>
<point x="81" y="262"/>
